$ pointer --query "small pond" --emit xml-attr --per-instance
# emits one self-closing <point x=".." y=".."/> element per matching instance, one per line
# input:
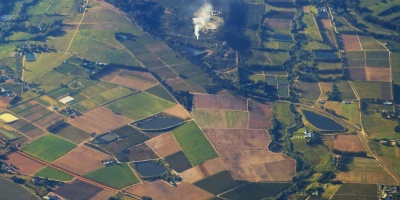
<point x="158" y="122"/>
<point x="149" y="169"/>
<point x="321" y="122"/>
<point x="326" y="55"/>
<point x="282" y="37"/>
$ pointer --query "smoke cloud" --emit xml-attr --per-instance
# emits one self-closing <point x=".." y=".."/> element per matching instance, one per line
<point x="202" y="16"/>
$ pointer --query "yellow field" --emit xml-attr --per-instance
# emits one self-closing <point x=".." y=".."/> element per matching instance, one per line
<point x="8" y="118"/>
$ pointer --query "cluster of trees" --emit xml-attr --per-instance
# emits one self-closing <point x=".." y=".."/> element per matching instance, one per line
<point x="335" y="94"/>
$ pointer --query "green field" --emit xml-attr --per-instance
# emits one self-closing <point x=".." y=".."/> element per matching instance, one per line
<point x="345" y="90"/>
<point x="377" y="59"/>
<point x="45" y="63"/>
<point x="193" y="143"/>
<point x="314" y="45"/>
<point x="308" y="90"/>
<point x="70" y="133"/>
<point x="362" y="191"/>
<point x="48" y="147"/>
<point x="117" y="176"/>
<point x="212" y="118"/>
<point x="277" y="58"/>
<point x="329" y="66"/>
<point x="376" y="125"/>
<point x="51" y="173"/>
<point x="219" y="182"/>
<point x="349" y="112"/>
<point x="139" y="106"/>
<point x="102" y="98"/>
<point x="284" y="115"/>
<point x="370" y="43"/>
<point x="13" y="191"/>
<point x="368" y="89"/>
<point x="391" y="157"/>
<point x="256" y="191"/>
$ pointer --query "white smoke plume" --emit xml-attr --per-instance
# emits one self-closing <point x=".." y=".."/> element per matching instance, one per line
<point x="202" y="16"/>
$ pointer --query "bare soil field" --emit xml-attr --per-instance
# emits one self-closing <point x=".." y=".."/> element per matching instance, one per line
<point x="327" y="23"/>
<point x="219" y="102"/>
<point x="4" y="102"/>
<point x="177" y="111"/>
<point x="79" y="190"/>
<point x="160" y="190"/>
<point x="259" y="115"/>
<point x="23" y="165"/>
<point x="164" y="145"/>
<point x="306" y="9"/>
<point x="278" y="23"/>
<point x="246" y="154"/>
<point x="350" y="42"/>
<point x="378" y="74"/>
<point x="348" y="143"/>
<point x="82" y="160"/>
<point x="134" y="79"/>
<point x="356" y="74"/>
<point x="99" y="121"/>
<point x="203" y="170"/>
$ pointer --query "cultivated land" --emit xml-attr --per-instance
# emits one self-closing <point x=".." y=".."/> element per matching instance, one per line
<point x="14" y="191"/>
<point x="23" y="164"/>
<point x="82" y="160"/>
<point x="363" y="170"/>
<point x="203" y="170"/>
<point x="81" y="191"/>
<point x="117" y="176"/>
<point x="139" y="106"/>
<point x="348" y="143"/>
<point x="48" y="147"/>
<point x="51" y="173"/>
<point x="349" y="190"/>
<point x="164" y="191"/>
<point x="259" y="115"/>
<point x="348" y="112"/>
<point x="70" y="133"/>
<point x="246" y="154"/>
<point x="99" y="121"/>
<point x="164" y="145"/>
<point x="221" y="118"/>
<point x="137" y="80"/>
<point x="219" y="102"/>
<point x="193" y="143"/>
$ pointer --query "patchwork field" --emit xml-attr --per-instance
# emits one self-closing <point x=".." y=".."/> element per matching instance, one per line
<point x="363" y="170"/>
<point x="80" y="190"/>
<point x="178" y="161"/>
<point x="99" y="121"/>
<point x="203" y="170"/>
<point x="355" y="59"/>
<point x="159" y="91"/>
<point x="221" y="118"/>
<point x="82" y="160"/>
<point x="367" y="42"/>
<point x="246" y="154"/>
<point x="259" y="115"/>
<point x="48" y="147"/>
<point x="193" y="143"/>
<point x="117" y="176"/>
<point x="23" y="165"/>
<point x="368" y="89"/>
<point x="11" y="190"/>
<point x="375" y="125"/>
<point x="349" y="190"/>
<point x="139" y="106"/>
<point x="309" y="90"/>
<point x="219" y="102"/>
<point x="51" y="173"/>
<point x="164" y="144"/>
<point x="164" y="191"/>
<point x="218" y="183"/>
<point x="137" y="80"/>
<point x="378" y="59"/>
<point x="378" y="74"/>
<point x="350" y="42"/>
<point x="70" y="133"/>
<point x="256" y="191"/>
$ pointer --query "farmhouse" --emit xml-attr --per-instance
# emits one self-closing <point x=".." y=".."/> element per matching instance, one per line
<point x="307" y="134"/>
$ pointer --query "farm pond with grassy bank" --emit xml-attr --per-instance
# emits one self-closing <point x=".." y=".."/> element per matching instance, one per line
<point x="322" y="122"/>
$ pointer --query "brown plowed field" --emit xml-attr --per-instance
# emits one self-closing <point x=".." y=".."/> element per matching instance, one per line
<point x="79" y="190"/>
<point x="278" y="23"/>
<point x="219" y="102"/>
<point x="246" y="154"/>
<point x="23" y="164"/>
<point x="134" y="79"/>
<point x="4" y="102"/>
<point x="160" y="190"/>
<point x="204" y="170"/>
<point x="164" y="145"/>
<point x="350" y="42"/>
<point x="259" y="115"/>
<point x="356" y="74"/>
<point x="378" y="74"/>
<point x="348" y="143"/>
<point x="82" y="160"/>
<point x="327" y="23"/>
<point x="99" y="121"/>
<point x="177" y="111"/>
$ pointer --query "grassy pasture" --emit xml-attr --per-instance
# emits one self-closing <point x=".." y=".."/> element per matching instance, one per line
<point x="363" y="191"/>
<point x="48" y="147"/>
<point x="51" y="173"/>
<point x="45" y="63"/>
<point x="375" y="124"/>
<point x="221" y="118"/>
<point x="193" y="143"/>
<point x="47" y="101"/>
<point x="11" y="190"/>
<point x="117" y="176"/>
<point x="61" y="43"/>
<point x="140" y="105"/>
<point x="391" y="157"/>
<point x="349" y="111"/>
<point x="368" y="89"/>
<point x="367" y="42"/>
<point x="282" y="112"/>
